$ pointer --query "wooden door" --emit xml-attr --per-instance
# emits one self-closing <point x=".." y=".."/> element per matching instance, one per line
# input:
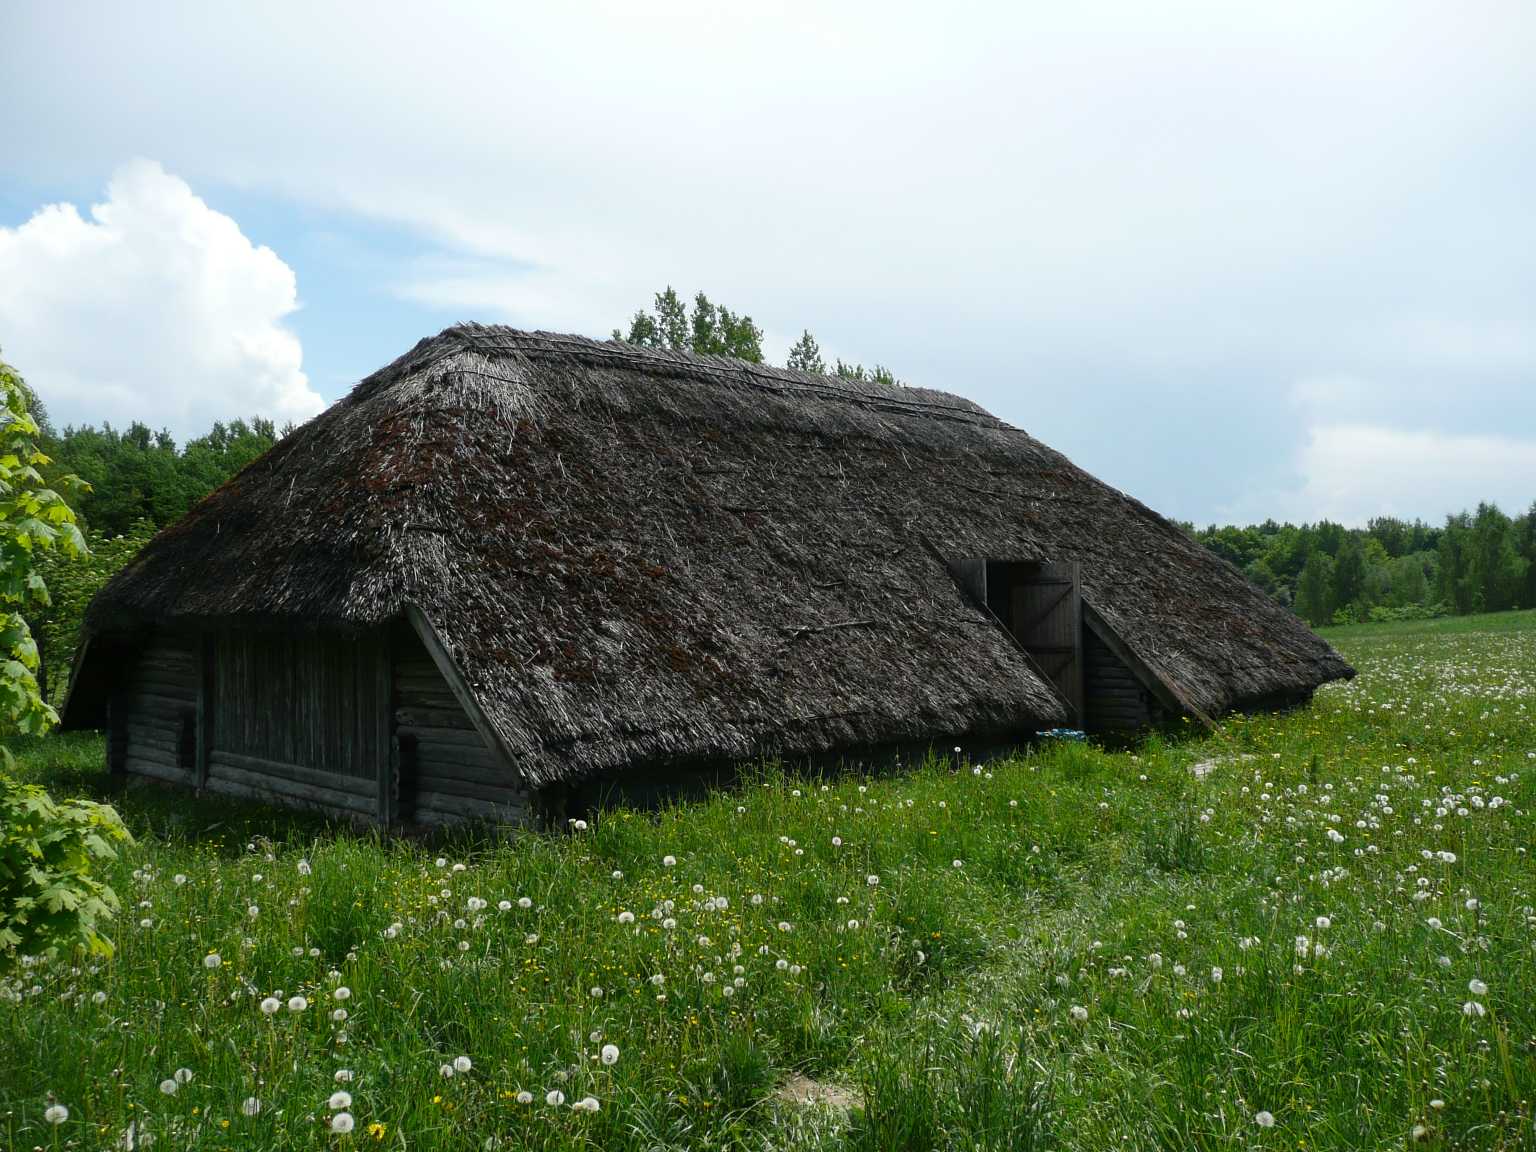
<point x="1046" y="618"/>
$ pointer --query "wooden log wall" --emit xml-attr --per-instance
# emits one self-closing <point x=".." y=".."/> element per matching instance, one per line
<point x="448" y="772"/>
<point x="155" y="710"/>
<point x="1115" y="699"/>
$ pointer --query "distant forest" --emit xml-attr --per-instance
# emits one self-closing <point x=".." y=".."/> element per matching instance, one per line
<point x="1482" y="561"/>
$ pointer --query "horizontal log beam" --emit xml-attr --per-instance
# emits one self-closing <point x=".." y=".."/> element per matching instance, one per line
<point x="484" y="768"/>
<point x="276" y="790"/>
<point x="445" y="737"/>
<point x="505" y="793"/>
<point x="428" y="716"/>
<point x="297" y="773"/>
<point x="465" y="808"/>
<point x="142" y="766"/>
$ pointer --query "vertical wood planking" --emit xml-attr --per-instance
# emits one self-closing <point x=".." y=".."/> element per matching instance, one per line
<point x="383" y="729"/>
<point x="1076" y="610"/>
<point x="117" y="733"/>
<point x="204" y="721"/>
<point x="306" y="698"/>
<point x="1046" y="618"/>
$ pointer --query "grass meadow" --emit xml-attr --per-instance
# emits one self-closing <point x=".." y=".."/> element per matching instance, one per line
<point x="1306" y="931"/>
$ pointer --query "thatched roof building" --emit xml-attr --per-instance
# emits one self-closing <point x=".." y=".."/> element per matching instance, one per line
<point x="554" y="559"/>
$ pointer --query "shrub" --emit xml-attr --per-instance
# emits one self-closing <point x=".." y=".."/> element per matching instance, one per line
<point x="1382" y="614"/>
<point x="50" y="894"/>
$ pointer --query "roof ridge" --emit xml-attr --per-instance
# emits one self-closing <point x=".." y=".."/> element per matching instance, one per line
<point x="491" y="339"/>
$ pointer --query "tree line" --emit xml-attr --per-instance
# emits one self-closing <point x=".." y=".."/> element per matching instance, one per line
<point x="1481" y="561"/>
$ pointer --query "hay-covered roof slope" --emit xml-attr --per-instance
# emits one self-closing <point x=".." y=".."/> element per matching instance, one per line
<point x="635" y="555"/>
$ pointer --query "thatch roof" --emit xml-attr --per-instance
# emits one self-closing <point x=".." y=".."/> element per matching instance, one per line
<point x="635" y="555"/>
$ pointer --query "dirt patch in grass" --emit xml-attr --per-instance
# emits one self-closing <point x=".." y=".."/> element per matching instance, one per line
<point x="804" y="1092"/>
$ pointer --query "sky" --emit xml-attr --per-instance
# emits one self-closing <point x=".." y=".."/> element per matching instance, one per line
<point x="1238" y="260"/>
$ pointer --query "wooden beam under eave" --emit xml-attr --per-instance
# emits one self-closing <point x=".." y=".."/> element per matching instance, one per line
<point x="455" y="679"/>
<point x="1169" y="696"/>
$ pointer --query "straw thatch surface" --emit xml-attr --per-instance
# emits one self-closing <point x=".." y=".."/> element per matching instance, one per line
<point x="635" y="555"/>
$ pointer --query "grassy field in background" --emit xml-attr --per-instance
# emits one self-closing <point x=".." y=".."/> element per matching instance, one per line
<point x="1307" y="931"/>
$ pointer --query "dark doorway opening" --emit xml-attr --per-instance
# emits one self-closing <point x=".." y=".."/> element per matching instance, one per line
<point x="1040" y="603"/>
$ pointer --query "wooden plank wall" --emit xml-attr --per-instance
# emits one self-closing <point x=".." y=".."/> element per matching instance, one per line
<point x="1116" y="700"/>
<point x="314" y="719"/>
<point x="297" y="698"/>
<point x="448" y="773"/>
<point x="293" y="719"/>
<point x="158" y="701"/>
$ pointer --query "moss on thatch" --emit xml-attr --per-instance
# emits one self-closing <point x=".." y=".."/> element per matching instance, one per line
<point x="635" y="555"/>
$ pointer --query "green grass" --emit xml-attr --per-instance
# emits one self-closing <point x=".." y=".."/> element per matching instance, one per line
<point x="940" y="999"/>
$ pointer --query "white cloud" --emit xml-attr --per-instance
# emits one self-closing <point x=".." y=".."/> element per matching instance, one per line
<point x="1352" y="472"/>
<point x="1361" y="448"/>
<point x="155" y="308"/>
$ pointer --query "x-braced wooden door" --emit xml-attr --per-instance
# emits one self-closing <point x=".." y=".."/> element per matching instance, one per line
<point x="1046" y="617"/>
